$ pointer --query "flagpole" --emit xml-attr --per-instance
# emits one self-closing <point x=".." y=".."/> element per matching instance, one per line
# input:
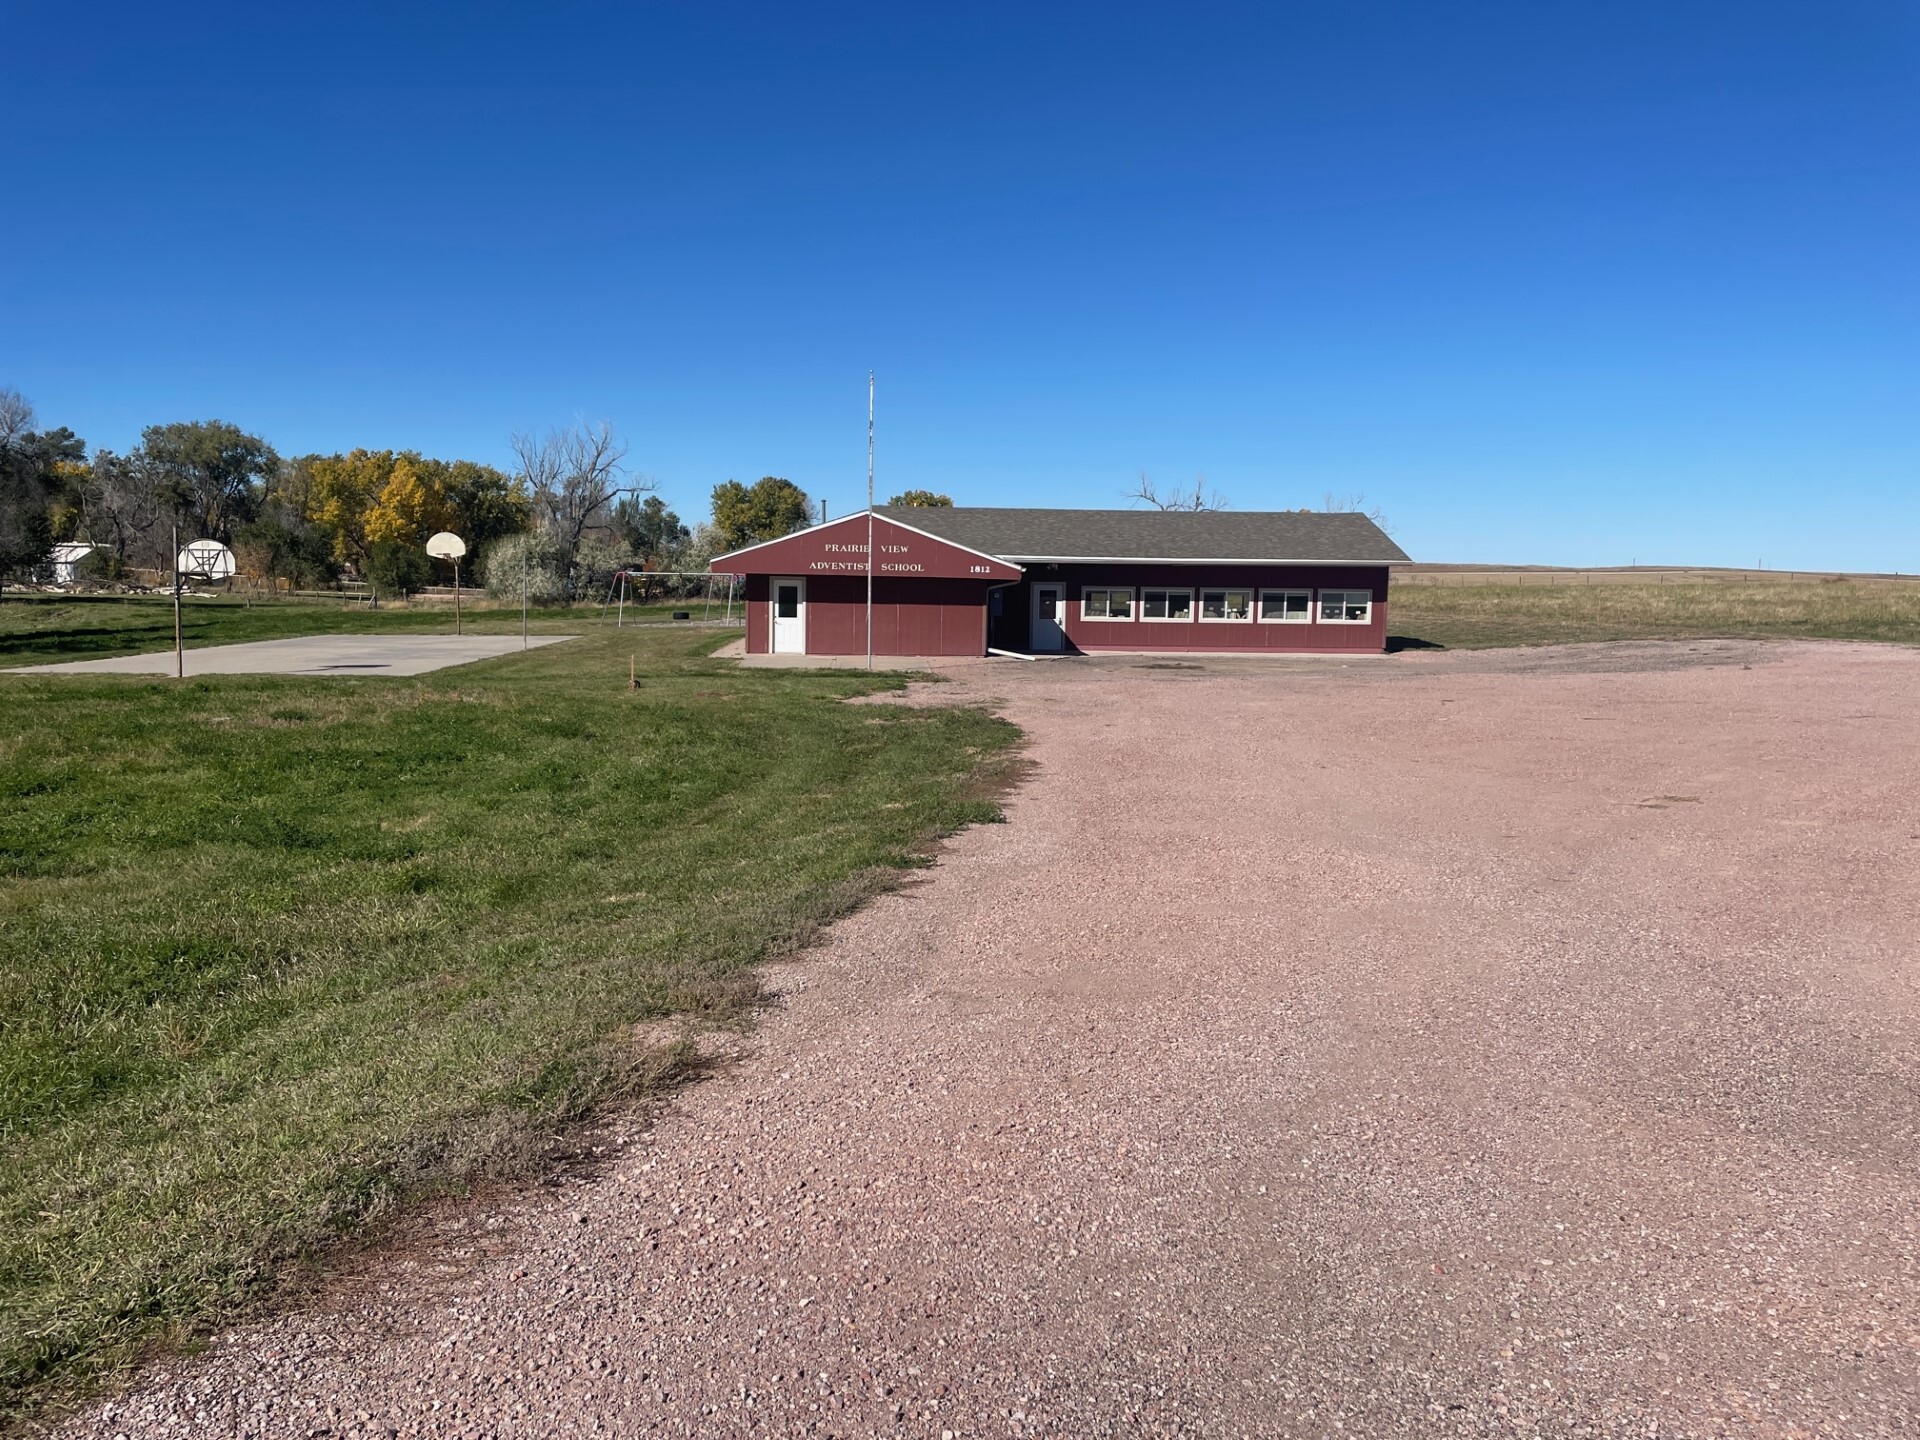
<point x="869" y="519"/>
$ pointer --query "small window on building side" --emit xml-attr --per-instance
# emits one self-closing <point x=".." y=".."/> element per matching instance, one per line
<point x="1346" y="607"/>
<point x="1286" y="607"/>
<point x="1166" y="604"/>
<point x="1226" y="604"/>
<point x="1106" y="604"/>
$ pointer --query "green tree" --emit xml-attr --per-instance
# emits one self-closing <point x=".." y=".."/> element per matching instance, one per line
<point x="282" y="542"/>
<point x="209" y="472"/>
<point x="487" y="504"/>
<point x="121" y="512"/>
<point x="31" y="479"/>
<point x="397" y="566"/>
<point x="651" y="530"/>
<point x="924" y="499"/>
<point x="766" y="510"/>
<point x="281" y="545"/>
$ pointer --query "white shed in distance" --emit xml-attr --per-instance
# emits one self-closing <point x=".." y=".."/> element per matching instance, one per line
<point x="67" y="558"/>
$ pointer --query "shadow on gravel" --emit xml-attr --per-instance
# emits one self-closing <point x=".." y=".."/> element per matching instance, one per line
<point x="1397" y="643"/>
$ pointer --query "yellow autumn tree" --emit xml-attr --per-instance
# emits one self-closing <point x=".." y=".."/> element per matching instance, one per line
<point x="388" y="498"/>
<point x="410" y="506"/>
<point x="341" y="491"/>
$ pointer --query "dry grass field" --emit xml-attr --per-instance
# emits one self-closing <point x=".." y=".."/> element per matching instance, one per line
<point x="1478" y="617"/>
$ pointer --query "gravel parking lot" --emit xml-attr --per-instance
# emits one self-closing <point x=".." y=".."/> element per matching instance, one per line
<point x="1461" y="1044"/>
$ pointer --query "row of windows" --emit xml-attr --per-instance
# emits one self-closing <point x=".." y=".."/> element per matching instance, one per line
<point x="1271" y="607"/>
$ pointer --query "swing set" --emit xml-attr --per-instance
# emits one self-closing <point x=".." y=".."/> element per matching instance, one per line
<point x="617" y="589"/>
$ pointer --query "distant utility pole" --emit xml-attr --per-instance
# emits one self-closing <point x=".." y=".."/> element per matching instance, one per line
<point x="869" y="519"/>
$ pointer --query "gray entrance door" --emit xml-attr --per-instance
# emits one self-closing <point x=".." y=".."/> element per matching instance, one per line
<point x="1049" y="616"/>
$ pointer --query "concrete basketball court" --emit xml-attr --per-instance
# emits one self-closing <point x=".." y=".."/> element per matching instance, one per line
<point x="312" y="655"/>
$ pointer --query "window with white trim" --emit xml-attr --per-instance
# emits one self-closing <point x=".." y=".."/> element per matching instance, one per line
<point x="1286" y="607"/>
<point x="1226" y="605"/>
<point x="1166" y="604"/>
<point x="1346" y="607"/>
<point x="1106" y="603"/>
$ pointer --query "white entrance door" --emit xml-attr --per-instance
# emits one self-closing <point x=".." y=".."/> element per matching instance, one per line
<point x="1049" y="616"/>
<point x="789" y="616"/>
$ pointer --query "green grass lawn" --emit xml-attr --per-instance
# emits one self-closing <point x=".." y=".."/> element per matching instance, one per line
<point x="1480" y="616"/>
<point x="277" y="952"/>
<point x="41" y="629"/>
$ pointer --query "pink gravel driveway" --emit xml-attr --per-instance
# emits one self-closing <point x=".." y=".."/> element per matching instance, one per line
<point x="1515" y="1044"/>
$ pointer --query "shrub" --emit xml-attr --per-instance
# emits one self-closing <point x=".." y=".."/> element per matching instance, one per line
<point x="395" y="567"/>
<point x="544" y="579"/>
<point x="100" y="567"/>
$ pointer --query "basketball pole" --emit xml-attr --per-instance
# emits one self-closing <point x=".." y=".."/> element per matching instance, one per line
<point x="179" y="645"/>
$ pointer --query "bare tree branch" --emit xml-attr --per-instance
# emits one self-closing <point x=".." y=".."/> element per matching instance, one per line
<point x="1356" y="504"/>
<point x="16" y="417"/>
<point x="574" y="476"/>
<point x="121" y="509"/>
<point x="1199" y="498"/>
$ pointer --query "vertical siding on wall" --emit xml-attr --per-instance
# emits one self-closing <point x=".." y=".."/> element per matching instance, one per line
<point x="910" y="617"/>
<point x="759" y="614"/>
<point x="948" y="617"/>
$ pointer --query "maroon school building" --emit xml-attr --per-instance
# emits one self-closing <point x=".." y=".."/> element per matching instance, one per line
<point x="967" y="581"/>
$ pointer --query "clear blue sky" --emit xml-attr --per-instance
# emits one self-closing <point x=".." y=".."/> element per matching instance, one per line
<point x="1561" y="282"/>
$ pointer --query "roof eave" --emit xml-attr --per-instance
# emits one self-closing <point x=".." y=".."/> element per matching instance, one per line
<point x="1190" y="560"/>
<point x="860" y="515"/>
<point x="780" y="539"/>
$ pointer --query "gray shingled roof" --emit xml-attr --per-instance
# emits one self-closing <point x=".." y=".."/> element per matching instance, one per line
<point x="1313" y="536"/>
